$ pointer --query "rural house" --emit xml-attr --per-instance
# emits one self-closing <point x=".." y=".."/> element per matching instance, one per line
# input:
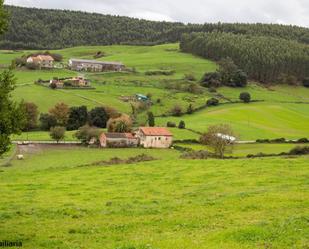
<point x="42" y="61"/>
<point x="94" y="66"/>
<point x="118" y="140"/>
<point x="154" y="137"/>
<point x="78" y="81"/>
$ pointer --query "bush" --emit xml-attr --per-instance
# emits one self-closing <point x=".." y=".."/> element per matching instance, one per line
<point x="86" y="133"/>
<point x="176" y="111"/>
<point x="245" y="97"/>
<point x="32" y="66"/>
<point x="212" y="79"/>
<point x="190" y="77"/>
<point x="299" y="150"/>
<point x="160" y="72"/>
<point x="53" y="85"/>
<point x="303" y="140"/>
<point x="57" y="133"/>
<point x="182" y="125"/>
<point x="212" y="102"/>
<point x="202" y="154"/>
<point x="190" y="109"/>
<point x="171" y="124"/>
<point x="306" y="82"/>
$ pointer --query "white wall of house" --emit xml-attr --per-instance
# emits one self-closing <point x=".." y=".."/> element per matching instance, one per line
<point x="155" y="141"/>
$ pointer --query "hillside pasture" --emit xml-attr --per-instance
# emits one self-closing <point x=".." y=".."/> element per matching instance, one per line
<point x="252" y="121"/>
<point x="168" y="203"/>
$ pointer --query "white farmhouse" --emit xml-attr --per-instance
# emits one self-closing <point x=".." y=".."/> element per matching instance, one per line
<point x="154" y="137"/>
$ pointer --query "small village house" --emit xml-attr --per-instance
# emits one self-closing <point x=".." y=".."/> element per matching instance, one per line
<point x="42" y="61"/>
<point x="118" y="140"/>
<point x="154" y="137"/>
<point x="94" y="66"/>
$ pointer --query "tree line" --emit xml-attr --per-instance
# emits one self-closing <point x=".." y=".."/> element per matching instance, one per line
<point x="31" y="28"/>
<point x="262" y="58"/>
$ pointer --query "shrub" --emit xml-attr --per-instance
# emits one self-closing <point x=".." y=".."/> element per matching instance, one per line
<point x="160" y="72"/>
<point x="212" y="90"/>
<point x="57" y="133"/>
<point x="86" y="133"/>
<point x="176" y="111"/>
<point x="190" y="109"/>
<point x="202" y="154"/>
<point x="32" y="66"/>
<point x="303" y="140"/>
<point x="190" y="77"/>
<point x="212" y="79"/>
<point x="306" y="82"/>
<point x="299" y="150"/>
<point x="171" y="124"/>
<point x="53" y="85"/>
<point x="182" y="125"/>
<point x="245" y="97"/>
<point x="212" y="102"/>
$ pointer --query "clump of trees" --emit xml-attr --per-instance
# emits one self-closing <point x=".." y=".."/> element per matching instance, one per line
<point x="262" y="58"/>
<point x="228" y="74"/>
<point x="219" y="137"/>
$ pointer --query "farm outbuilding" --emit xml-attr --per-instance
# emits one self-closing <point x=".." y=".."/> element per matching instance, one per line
<point x="118" y="140"/>
<point x="154" y="137"/>
<point x="95" y="66"/>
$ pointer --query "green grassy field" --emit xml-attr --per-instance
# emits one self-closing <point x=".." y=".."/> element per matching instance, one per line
<point x="254" y="120"/>
<point x="276" y="117"/>
<point x="49" y="200"/>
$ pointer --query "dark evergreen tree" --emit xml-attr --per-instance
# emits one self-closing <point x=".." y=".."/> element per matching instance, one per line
<point x="151" y="119"/>
<point x="98" y="117"/>
<point x="78" y="116"/>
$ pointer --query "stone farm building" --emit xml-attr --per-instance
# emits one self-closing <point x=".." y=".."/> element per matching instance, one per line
<point x="94" y="66"/>
<point x="147" y="137"/>
<point x="118" y="140"/>
<point x="78" y="81"/>
<point x="154" y="137"/>
<point x="42" y="61"/>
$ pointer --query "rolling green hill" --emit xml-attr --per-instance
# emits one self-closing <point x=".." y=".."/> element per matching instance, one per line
<point x="284" y="111"/>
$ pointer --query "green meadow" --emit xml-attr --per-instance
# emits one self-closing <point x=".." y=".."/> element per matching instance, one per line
<point x="56" y="199"/>
<point x="284" y="111"/>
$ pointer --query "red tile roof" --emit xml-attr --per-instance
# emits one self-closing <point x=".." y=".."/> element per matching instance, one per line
<point x="156" y="131"/>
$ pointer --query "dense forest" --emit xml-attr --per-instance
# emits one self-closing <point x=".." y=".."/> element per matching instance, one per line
<point x="263" y="58"/>
<point x="31" y="28"/>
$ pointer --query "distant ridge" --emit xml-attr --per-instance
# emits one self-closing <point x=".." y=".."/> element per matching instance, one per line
<point x="32" y="28"/>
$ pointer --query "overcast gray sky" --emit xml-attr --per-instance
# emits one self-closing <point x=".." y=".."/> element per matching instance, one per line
<point x="194" y="11"/>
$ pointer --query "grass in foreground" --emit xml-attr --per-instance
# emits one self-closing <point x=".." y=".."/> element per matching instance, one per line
<point x="169" y="203"/>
